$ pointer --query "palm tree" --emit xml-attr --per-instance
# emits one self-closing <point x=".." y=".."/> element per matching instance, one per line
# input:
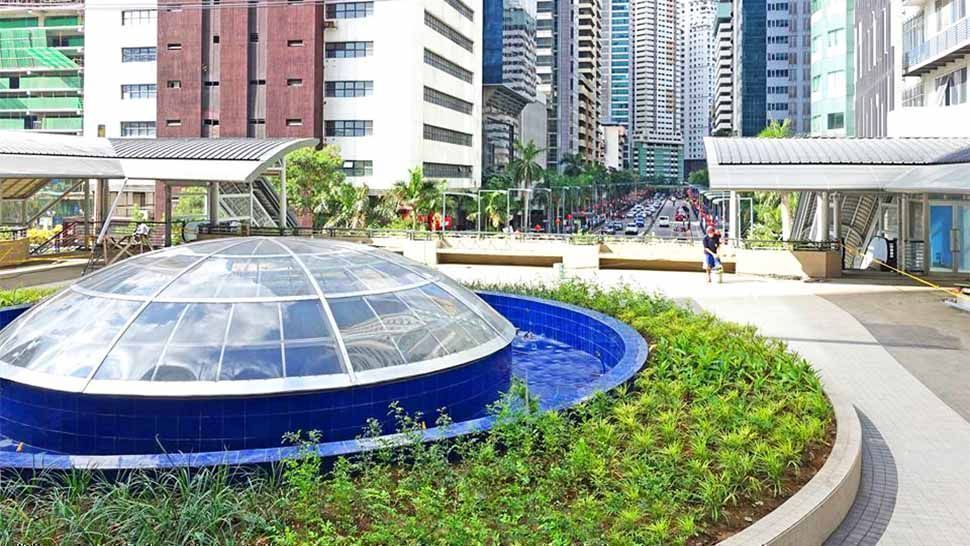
<point x="525" y="169"/>
<point x="353" y="208"/>
<point x="573" y="164"/>
<point x="777" y="130"/>
<point x="493" y="209"/>
<point x="417" y="195"/>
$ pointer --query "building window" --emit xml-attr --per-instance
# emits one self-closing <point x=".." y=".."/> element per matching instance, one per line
<point x="173" y="123"/>
<point x="294" y="82"/>
<point x="434" y="96"/>
<point x="440" y="27"/>
<point x="294" y="43"/>
<point x="951" y="89"/>
<point x="138" y="91"/>
<point x="342" y="50"/>
<point x="348" y="128"/>
<point x="349" y="88"/>
<point x="358" y="167"/>
<point x="350" y="10"/>
<point x="461" y="8"/>
<point x="440" y="134"/>
<point x="446" y="170"/>
<point x="294" y="122"/>
<point x="174" y="84"/>
<point x="210" y="122"/>
<point x="913" y="96"/>
<point x="433" y="59"/>
<point x="138" y="129"/>
<point x="175" y="47"/>
<point x="836" y="120"/>
<point x="138" y="54"/>
<point x="138" y="17"/>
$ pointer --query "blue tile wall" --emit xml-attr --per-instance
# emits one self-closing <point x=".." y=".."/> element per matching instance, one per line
<point x="576" y="327"/>
<point x="73" y="423"/>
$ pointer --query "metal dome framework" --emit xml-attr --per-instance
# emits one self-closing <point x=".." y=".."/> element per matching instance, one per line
<point x="250" y="316"/>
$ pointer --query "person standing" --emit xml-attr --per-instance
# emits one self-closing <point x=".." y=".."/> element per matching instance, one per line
<point x="712" y="242"/>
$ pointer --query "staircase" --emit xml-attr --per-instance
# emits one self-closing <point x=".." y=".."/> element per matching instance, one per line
<point x="234" y="203"/>
<point x="803" y="223"/>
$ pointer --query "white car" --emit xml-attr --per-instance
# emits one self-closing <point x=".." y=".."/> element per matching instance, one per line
<point x="663" y="221"/>
<point x="631" y="229"/>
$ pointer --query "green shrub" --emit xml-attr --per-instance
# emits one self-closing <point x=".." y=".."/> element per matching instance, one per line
<point x="20" y="296"/>
<point x="718" y="417"/>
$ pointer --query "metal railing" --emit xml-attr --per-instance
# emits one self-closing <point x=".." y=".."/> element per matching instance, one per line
<point x="12" y="233"/>
<point x="955" y="35"/>
<point x="79" y="235"/>
<point x="498" y="239"/>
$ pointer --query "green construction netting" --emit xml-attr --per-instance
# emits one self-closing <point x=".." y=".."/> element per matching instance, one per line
<point x="40" y="103"/>
<point x="27" y="48"/>
<point x="12" y="123"/>
<point x="62" y="123"/>
<point x="62" y="21"/>
<point x="18" y="23"/>
<point x="50" y="82"/>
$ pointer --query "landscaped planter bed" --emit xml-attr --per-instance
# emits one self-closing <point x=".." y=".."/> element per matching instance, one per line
<point x="718" y="428"/>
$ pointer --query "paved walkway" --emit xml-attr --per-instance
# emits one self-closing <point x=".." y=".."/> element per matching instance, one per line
<point x="907" y="373"/>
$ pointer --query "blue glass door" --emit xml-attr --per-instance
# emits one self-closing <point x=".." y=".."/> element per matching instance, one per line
<point x="963" y="238"/>
<point x="941" y="238"/>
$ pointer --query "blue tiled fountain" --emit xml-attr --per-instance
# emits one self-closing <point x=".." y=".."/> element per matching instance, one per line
<point x="209" y="353"/>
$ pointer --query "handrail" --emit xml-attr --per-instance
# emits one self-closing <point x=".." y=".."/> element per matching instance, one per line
<point x="575" y="238"/>
<point x="949" y="38"/>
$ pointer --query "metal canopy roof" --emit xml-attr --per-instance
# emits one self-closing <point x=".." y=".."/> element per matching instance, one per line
<point x="839" y="164"/>
<point x="39" y="156"/>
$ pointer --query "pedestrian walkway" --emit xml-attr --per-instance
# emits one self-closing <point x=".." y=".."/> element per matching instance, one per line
<point x="927" y="439"/>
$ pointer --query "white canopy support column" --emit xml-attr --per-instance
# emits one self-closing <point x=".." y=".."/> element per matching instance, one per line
<point x="282" y="194"/>
<point x="823" y="224"/>
<point x="86" y="209"/>
<point x="213" y="203"/>
<point x="168" y="214"/>
<point x="786" y="220"/>
<point x="734" y="210"/>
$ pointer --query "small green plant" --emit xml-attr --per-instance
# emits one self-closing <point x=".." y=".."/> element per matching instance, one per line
<point x="21" y="296"/>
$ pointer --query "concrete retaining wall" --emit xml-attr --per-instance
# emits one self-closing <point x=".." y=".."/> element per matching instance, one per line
<point x="788" y="263"/>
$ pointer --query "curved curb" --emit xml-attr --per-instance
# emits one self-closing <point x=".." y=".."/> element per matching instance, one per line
<point x="817" y="509"/>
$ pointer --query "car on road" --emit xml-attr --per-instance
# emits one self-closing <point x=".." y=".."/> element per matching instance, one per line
<point x="609" y="230"/>
<point x="639" y="221"/>
<point x="629" y="214"/>
<point x="663" y="221"/>
<point x="679" y="217"/>
<point x="631" y="229"/>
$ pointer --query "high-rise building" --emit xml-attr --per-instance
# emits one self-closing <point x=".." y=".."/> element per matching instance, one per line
<point x="241" y="71"/>
<point x="833" y="68"/>
<point x="772" y="69"/>
<point x="657" y="140"/>
<point x="874" y="66"/>
<point x="590" y="75"/>
<point x="509" y="77"/>
<point x="41" y="60"/>
<point x="120" y="86"/>
<point x="930" y="97"/>
<point x="558" y="68"/>
<point x="120" y="67"/>
<point x="616" y="86"/>
<point x="698" y="18"/>
<point x="404" y="89"/>
<point x="722" y="103"/>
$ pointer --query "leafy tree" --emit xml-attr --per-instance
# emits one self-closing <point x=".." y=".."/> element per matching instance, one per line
<point x="190" y="204"/>
<point x="777" y="130"/>
<point x="493" y="210"/>
<point x="417" y="195"/>
<point x="699" y="178"/>
<point x="573" y="164"/>
<point x="313" y="180"/>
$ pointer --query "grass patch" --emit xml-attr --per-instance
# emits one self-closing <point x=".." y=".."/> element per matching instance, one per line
<point x="719" y="422"/>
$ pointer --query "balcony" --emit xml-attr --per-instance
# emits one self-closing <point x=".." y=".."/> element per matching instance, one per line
<point x="940" y="50"/>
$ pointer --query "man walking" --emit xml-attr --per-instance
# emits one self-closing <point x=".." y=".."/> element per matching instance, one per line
<point x="712" y="242"/>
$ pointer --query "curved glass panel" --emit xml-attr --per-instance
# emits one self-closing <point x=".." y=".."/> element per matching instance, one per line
<point x="238" y="310"/>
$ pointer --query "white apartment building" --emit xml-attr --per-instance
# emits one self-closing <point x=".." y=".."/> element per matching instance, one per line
<point x="557" y="64"/>
<point x="657" y="103"/>
<point x="698" y="18"/>
<point x="403" y="83"/>
<point x="120" y="86"/>
<point x="933" y="41"/>
<point x="722" y="106"/>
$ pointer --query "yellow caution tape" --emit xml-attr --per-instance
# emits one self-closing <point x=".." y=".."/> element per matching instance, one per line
<point x="952" y="292"/>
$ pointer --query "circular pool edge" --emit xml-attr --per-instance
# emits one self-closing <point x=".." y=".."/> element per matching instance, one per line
<point x="530" y="314"/>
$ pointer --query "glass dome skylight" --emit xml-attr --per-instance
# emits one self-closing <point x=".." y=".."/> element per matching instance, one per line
<point x="253" y="315"/>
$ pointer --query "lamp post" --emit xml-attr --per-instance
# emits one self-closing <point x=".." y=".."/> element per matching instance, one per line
<point x="444" y="204"/>
<point x="526" y="217"/>
<point x="563" y="205"/>
<point x="508" y="204"/>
